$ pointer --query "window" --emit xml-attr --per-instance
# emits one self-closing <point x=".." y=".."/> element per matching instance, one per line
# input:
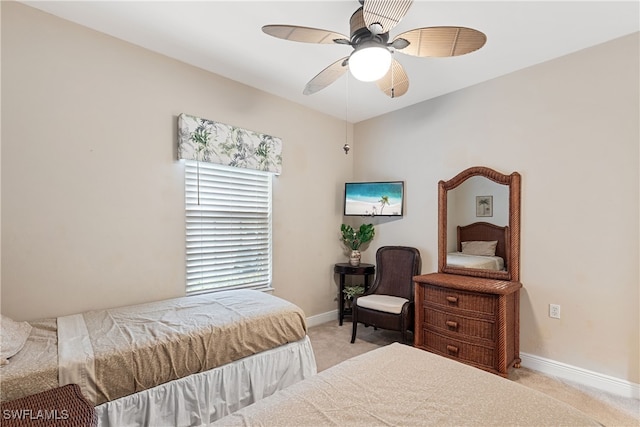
<point x="228" y="228"/>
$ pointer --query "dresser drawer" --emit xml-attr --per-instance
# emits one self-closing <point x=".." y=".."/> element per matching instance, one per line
<point x="459" y="325"/>
<point x="450" y="298"/>
<point x="458" y="349"/>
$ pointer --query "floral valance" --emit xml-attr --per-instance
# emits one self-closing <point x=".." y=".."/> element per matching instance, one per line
<point x="208" y="141"/>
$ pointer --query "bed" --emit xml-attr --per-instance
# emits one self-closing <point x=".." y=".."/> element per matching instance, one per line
<point x="481" y="245"/>
<point x="400" y="385"/>
<point x="184" y="361"/>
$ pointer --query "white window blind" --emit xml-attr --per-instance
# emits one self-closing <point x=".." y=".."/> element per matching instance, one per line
<point x="228" y="227"/>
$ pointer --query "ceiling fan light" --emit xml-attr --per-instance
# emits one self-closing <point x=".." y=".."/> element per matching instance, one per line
<point x="369" y="63"/>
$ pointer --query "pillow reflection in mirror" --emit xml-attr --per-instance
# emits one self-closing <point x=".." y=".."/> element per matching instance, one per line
<point x="482" y="248"/>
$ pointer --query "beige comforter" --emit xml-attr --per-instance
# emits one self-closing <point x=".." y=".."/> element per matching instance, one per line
<point x="398" y="385"/>
<point x="138" y="347"/>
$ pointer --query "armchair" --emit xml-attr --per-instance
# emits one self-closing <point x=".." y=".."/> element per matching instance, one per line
<point x="388" y="304"/>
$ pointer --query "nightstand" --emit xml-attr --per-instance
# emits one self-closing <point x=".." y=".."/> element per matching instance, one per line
<point x="344" y="269"/>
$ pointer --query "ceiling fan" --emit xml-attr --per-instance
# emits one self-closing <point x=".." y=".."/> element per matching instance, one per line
<point x="371" y="59"/>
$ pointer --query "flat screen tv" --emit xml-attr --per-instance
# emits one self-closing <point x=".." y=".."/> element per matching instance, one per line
<point x="374" y="198"/>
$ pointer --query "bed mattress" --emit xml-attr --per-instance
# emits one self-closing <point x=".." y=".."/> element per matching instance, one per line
<point x="118" y="352"/>
<point x="398" y="385"/>
<point x="459" y="259"/>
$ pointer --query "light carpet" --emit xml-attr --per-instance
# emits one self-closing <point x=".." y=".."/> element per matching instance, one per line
<point x="331" y="346"/>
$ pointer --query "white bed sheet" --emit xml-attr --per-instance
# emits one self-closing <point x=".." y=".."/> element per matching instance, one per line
<point x="458" y="259"/>
<point x="200" y="399"/>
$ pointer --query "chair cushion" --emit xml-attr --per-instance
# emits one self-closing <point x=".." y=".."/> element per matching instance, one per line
<point x="385" y="303"/>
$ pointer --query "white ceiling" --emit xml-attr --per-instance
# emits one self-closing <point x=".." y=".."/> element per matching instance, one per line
<point x="225" y="38"/>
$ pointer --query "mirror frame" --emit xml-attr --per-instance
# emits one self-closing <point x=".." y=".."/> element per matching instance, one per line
<point x="513" y="262"/>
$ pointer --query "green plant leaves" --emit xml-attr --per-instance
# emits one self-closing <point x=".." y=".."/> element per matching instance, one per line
<point x="354" y="239"/>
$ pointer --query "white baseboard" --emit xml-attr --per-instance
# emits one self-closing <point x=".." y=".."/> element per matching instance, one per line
<point x="321" y="318"/>
<point x="581" y="376"/>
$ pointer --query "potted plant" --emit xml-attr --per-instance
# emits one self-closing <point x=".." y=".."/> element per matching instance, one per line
<point x="352" y="291"/>
<point x="353" y="239"/>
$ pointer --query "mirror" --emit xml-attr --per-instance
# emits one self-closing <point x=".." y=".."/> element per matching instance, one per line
<point x="479" y="224"/>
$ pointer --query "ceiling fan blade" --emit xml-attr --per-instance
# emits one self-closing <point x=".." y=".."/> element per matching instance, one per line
<point x="442" y="41"/>
<point x="387" y="13"/>
<point x="395" y="83"/>
<point x="327" y="76"/>
<point x="304" y="34"/>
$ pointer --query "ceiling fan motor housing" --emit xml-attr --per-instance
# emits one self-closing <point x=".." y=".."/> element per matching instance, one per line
<point x="360" y="32"/>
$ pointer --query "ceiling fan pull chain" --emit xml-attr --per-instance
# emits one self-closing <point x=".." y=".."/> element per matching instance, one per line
<point x="393" y="83"/>
<point x="346" y="146"/>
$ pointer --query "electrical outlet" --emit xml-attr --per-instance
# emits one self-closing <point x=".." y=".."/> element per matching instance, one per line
<point x="554" y="311"/>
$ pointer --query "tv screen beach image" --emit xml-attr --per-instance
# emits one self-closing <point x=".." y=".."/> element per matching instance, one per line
<point x="374" y="198"/>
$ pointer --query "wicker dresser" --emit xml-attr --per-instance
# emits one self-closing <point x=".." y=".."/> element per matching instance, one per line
<point x="469" y="319"/>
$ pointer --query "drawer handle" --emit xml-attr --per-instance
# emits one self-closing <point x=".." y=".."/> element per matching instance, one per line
<point x="452" y="299"/>
<point x="452" y="349"/>
<point x="452" y="324"/>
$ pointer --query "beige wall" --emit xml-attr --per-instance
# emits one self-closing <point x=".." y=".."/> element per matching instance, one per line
<point x="571" y="128"/>
<point x="92" y="196"/>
